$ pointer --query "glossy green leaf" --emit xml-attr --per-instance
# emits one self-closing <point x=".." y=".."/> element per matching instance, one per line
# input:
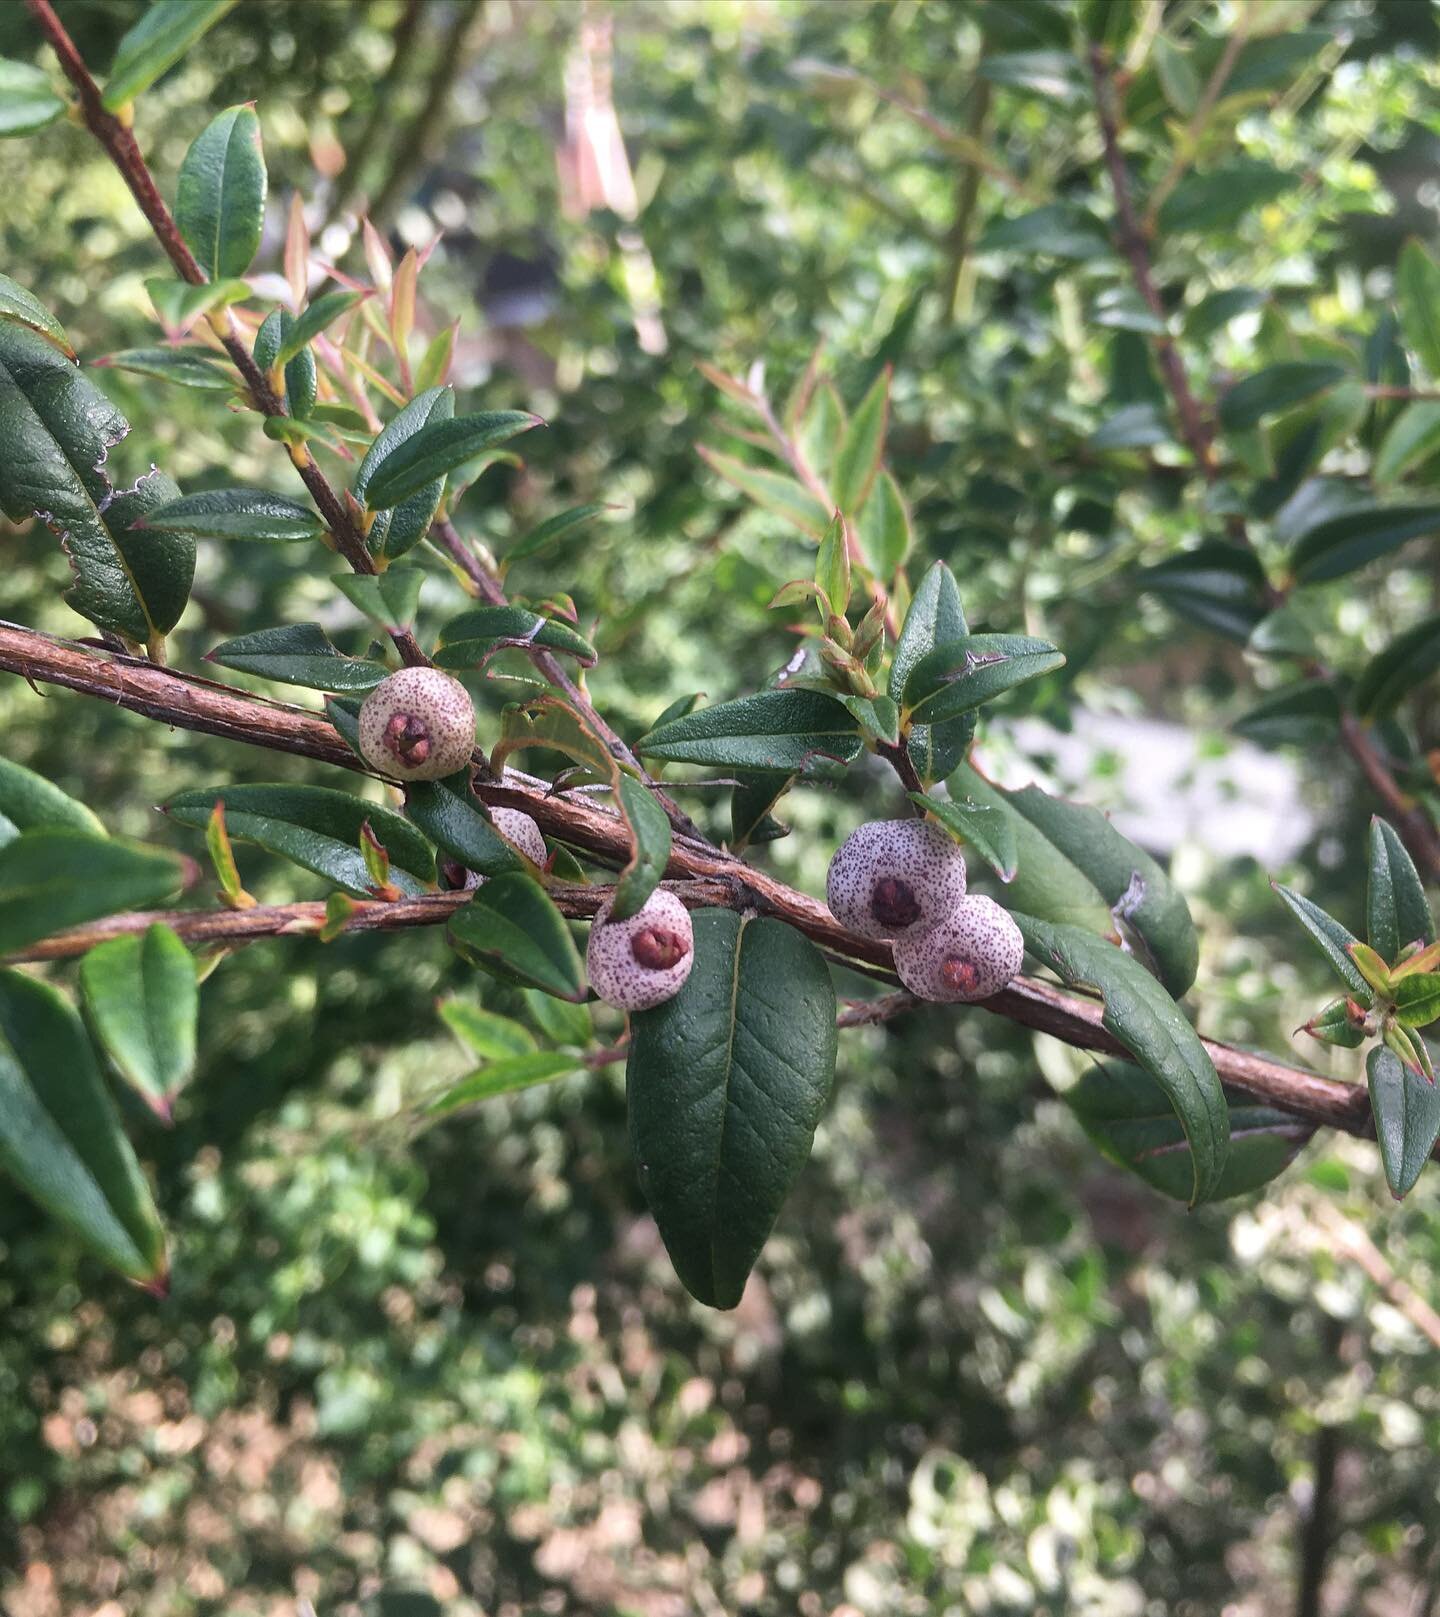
<point x="561" y="1021"/>
<point x="857" y="462"/>
<point x="1406" y="1109"/>
<point x="179" y="304"/>
<point x="1127" y="1114"/>
<point x="25" y="309"/>
<point x="1412" y="439"/>
<point x="436" y="449"/>
<point x="751" y="803"/>
<point x="485" y="1034"/>
<point x="1405" y="664"/>
<point x="316" y="828"/>
<point x="454" y="820"/>
<point x="56" y="431"/>
<point x="1338" y="1024"/>
<point x="1133" y="426"/>
<point x="1216" y="311"/>
<point x="298" y="654"/>
<point x="780" y="495"/>
<point x="1221" y="197"/>
<point x="1334" y="941"/>
<point x="725" y="1084"/>
<point x="1417" y="999"/>
<point x="884" y="527"/>
<point x="1143" y="1017"/>
<point x="981" y="826"/>
<point x="1398" y="912"/>
<point x="60" y="1134"/>
<point x="142" y="998"/>
<point x="27" y="101"/>
<point x="1059" y="230"/>
<point x="650" y="838"/>
<point x="1306" y="714"/>
<point x="237" y="513"/>
<point x="1177" y="75"/>
<point x="313" y="319"/>
<point x="776" y="731"/>
<point x="29" y="802"/>
<point x="469" y="640"/>
<point x="960" y="675"/>
<point x="186" y="367"/>
<point x="393" y="533"/>
<point x="55" y="878"/>
<point x="1339" y="544"/>
<point x="220" y="198"/>
<point x="389" y="599"/>
<point x="553" y="530"/>
<point x="1219" y="585"/>
<point x="1274" y="389"/>
<point x="504" y="1076"/>
<point x="156" y="42"/>
<point x="877" y="716"/>
<point x="832" y="568"/>
<point x="299" y="374"/>
<point x="935" y="616"/>
<point x="512" y="929"/>
<point x="1372" y="967"/>
<point x="1417" y="291"/>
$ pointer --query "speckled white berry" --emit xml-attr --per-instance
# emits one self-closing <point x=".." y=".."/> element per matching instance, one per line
<point x="969" y="955"/>
<point x="418" y="724"/>
<point x="644" y="961"/>
<point x="518" y="828"/>
<point x="893" y="876"/>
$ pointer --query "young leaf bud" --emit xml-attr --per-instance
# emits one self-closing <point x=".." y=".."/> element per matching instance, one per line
<point x="641" y="962"/>
<point x="894" y="875"/>
<point x="970" y="955"/>
<point x="417" y="725"/>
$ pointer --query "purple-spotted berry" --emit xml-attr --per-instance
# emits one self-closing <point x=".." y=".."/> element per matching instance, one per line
<point x="643" y="961"/>
<point x="969" y="955"/>
<point x="418" y="724"/>
<point x="892" y="877"/>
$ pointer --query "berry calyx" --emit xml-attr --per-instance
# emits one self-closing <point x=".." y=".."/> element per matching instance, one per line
<point x="892" y="876"/>
<point x="418" y="724"/>
<point x="641" y="962"/>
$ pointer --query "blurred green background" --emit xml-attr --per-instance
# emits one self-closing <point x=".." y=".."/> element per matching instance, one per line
<point x="979" y="1369"/>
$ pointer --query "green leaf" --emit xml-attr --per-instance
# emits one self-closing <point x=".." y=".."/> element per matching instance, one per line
<point x="28" y="802"/>
<point x="884" y="527"/>
<point x="650" y="838"/>
<point x="1052" y="75"/>
<point x="436" y="449"/>
<point x="393" y="533"/>
<point x="1371" y="967"/>
<point x="156" y="42"/>
<point x="186" y="367"/>
<point x="751" y="820"/>
<point x="1417" y="292"/>
<point x="1397" y="911"/>
<point x="1306" y="714"/>
<point x="1406" y="1108"/>
<point x="142" y="999"/>
<point x="504" y="1076"/>
<point x="832" y="567"/>
<point x="1276" y="388"/>
<point x="776" y="731"/>
<point x="725" y="1084"/>
<point x="389" y="599"/>
<point x="1339" y="544"/>
<point x="1126" y="1113"/>
<point x="26" y="309"/>
<point x="512" y="929"/>
<point x="1334" y="940"/>
<point x="456" y="822"/>
<point x="559" y="1020"/>
<point x="960" y="675"/>
<point x="237" y="513"/>
<point x="552" y="530"/>
<point x="1213" y="313"/>
<point x="179" y="304"/>
<point x="298" y="654"/>
<point x="55" y="878"/>
<point x="313" y="319"/>
<point x="471" y="639"/>
<point x="1177" y="75"/>
<point x="1058" y="230"/>
<point x="935" y="617"/>
<point x="299" y="375"/>
<point x="60" y="1135"/>
<point x="982" y="826"/>
<point x="55" y="433"/>
<point x="220" y="199"/>
<point x="1045" y="882"/>
<point x="877" y="716"/>
<point x="1222" y="197"/>
<point x="1134" y="426"/>
<point x="1412" y="439"/>
<point x="1218" y="585"/>
<point x="27" y="102"/>
<point x="1337" y="1024"/>
<point x="858" y="460"/>
<point x="316" y="828"/>
<point x="1143" y="1017"/>
<point x="485" y="1034"/>
<point x="1405" y="664"/>
<point x="781" y="496"/>
<point x="546" y="721"/>
<point x="1417" y="998"/>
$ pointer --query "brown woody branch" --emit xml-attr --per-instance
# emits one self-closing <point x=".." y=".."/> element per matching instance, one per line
<point x="700" y="875"/>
